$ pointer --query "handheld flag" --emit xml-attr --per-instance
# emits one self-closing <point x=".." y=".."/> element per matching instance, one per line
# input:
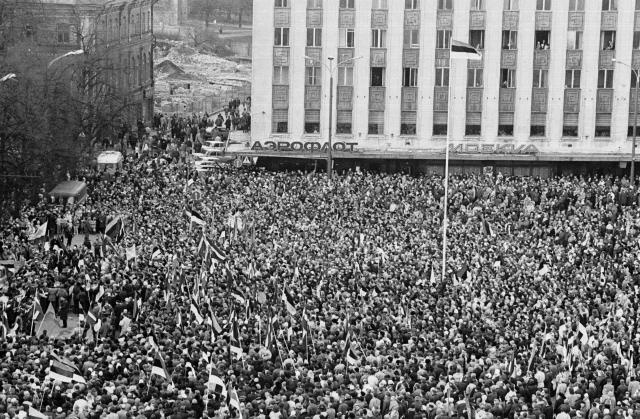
<point x="40" y="232"/>
<point x="288" y="302"/>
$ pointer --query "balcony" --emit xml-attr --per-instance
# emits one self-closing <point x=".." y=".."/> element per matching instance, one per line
<point x="510" y="20"/>
<point x="572" y="100"/>
<point x="376" y="98"/>
<point x="541" y="58"/>
<point x="539" y="100"/>
<point x="507" y="99"/>
<point x="574" y="59"/>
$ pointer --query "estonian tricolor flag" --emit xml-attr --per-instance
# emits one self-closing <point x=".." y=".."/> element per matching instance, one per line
<point x="465" y="51"/>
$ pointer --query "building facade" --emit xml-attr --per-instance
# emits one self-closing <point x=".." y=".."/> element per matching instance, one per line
<point x="555" y="82"/>
<point x="117" y="37"/>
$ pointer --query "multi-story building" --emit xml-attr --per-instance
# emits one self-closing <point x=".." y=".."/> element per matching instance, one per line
<point x="556" y="83"/>
<point x="116" y="35"/>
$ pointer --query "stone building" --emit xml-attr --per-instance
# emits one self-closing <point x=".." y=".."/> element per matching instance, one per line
<point x="117" y="36"/>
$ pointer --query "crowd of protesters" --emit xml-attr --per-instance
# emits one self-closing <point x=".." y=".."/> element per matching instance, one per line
<point x="331" y="296"/>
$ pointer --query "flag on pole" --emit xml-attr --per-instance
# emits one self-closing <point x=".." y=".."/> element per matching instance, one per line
<point x="159" y="368"/>
<point x="234" y="401"/>
<point x="487" y="230"/>
<point x="464" y="51"/>
<point x="41" y="231"/>
<point x="195" y="217"/>
<point x="234" y="340"/>
<point x="131" y="252"/>
<point x="216" y="385"/>
<point x="115" y="228"/>
<point x="217" y="252"/>
<point x="64" y="373"/>
<point x="238" y="295"/>
<point x="36" y="414"/>
<point x="196" y="313"/>
<point x="352" y="356"/>
<point x="288" y="302"/>
<point x="38" y="313"/>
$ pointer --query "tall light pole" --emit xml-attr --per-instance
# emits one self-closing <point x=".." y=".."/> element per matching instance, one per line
<point x="635" y="121"/>
<point x="330" y="68"/>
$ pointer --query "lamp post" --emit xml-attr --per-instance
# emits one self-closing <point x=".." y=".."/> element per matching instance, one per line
<point x="635" y="121"/>
<point x="331" y="68"/>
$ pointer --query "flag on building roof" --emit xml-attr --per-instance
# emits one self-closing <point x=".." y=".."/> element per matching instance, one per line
<point x="41" y="231"/>
<point x="464" y="51"/>
<point x="289" y="304"/>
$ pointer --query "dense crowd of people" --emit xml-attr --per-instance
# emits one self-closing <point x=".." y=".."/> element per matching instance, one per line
<point x="318" y="299"/>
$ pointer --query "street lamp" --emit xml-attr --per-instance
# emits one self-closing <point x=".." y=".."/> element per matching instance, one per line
<point x="330" y="68"/>
<point x="635" y="121"/>
<point x="68" y="54"/>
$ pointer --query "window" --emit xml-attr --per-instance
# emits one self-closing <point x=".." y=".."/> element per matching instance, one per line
<point x="569" y="131"/>
<point x="63" y="32"/>
<point x="379" y="5"/>
<point x="410" y="77"/>
<point x="472" y="130"/>
<point x="280" y="75"/>
<point x="314" y="37"/>
<point x="443" y="39"/>
<point x="605" y="79"/>
<point x="477" y="4"/>
<point x="576" y="5"/>
<point x="509" y="39"/>
<point x="411" y="38"/>
<point x="543" y="5"/>
<point x="442" y="77"/>
<point x="408" y="123"/>
<point x="347" y="4"/>
<point x="608" y="40"/>
<point x="608" y="5"/>
<point x="314" y="4"/>
<point x="505" y="130"/>
<point x="281" y="37"/>
<point x="445" y="4"/>
<point x="636" y="40"/>
<point x="313" y="76"/>
<point x="538" y="131"/>
<point x="347" y="38"/>
<point x="540" y="78"/>
<point x="407" y="129"/>
<point x="572" y="79"/>
<point x="603" y="131"/>
<point x="474" y="77"/>
<point x="440" y="123"/>
<point x="312" y="127"/>
<point x="574" y="40"/>
<point x="476" y="38"/>
<point x="377" y="76"/>
<point x="507" y="77"/>
<point x="281" y="127"/>
<point x="378" y="38"/>
<point x="412" y="4"/>
<point x="542" y="39"/>
<point x="345" y="76"/>
<point x="343" y="123"/>
<point x="637" y="4"/>
<point x="376" y="122"/>
<point x="511" y="5"/>
<point x="282" y="3"/>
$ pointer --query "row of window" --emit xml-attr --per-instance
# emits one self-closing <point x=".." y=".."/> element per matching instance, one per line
<point x="313" y="77"/>
<point x="510" y="5"/>
<point x="117" y="28"/>
<point x="346" y="39"/>
<point x="376" y="126"/>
